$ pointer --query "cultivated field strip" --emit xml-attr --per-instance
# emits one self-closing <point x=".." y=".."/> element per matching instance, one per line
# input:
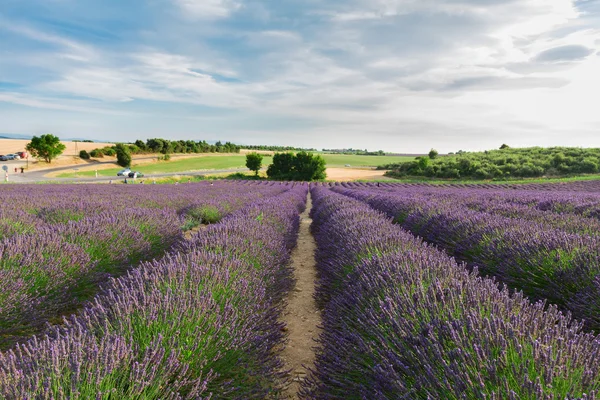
<point x="557" y="259"/>
<point x="591" y="186"/>
<point x="402" y="319"/>
<point x="202" y="322"/>
<point x="60" y="244"/>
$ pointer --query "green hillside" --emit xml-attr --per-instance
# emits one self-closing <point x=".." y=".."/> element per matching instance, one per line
<point x="506" y="163"/>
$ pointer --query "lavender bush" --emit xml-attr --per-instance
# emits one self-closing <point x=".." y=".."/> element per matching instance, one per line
<point x="403" y="320"/>
<point x="200" y="323"/>
<point x="62" y="245"/>
<point x="555" y="258"/>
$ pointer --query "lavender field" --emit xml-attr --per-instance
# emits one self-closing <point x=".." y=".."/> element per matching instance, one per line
<point x="403" y="318"/>
<point x="178" y="291"/>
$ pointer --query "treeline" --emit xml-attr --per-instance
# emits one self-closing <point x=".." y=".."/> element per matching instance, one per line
<point x="165" y="146"/>
<point x="501" y="164"/>
<point x="356" y="152"/>
<point x="275" y="148"/>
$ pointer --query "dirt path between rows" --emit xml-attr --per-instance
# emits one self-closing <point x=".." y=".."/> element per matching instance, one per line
<point x="302" y="315"/>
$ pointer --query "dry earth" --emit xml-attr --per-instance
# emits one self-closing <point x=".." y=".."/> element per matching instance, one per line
<point x="69" y="157"/>
<point x="8" y="146"/>
<point x="302" y="316"/>
<point x="352" y="174"/>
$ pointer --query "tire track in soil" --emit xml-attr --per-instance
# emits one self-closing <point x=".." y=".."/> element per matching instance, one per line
<point x="301" y="316"/>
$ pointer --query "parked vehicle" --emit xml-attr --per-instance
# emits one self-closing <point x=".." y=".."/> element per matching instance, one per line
<point x="135" y="174"/>
<point x="22" y="154"/>
<point x="10" y="156"/>
<point x="15" y="156"/>
<point x="3" y="157"/>
<point x="124" y="172"/>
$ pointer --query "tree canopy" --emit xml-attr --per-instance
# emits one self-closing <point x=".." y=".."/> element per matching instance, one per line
<point x="123" y="155"/>
<point x="46" y="147"/>
<point x="302" y="166"/>
<point x="254" y="162"/>
<point x="165" y="146"/>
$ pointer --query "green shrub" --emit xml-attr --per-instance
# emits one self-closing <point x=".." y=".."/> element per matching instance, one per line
<point x="502" y="164"/>
<point x="96" y="153"/>
<point x="84" y="155"/>
<point x="203" y="214"/>
<point x="108" y="151"/>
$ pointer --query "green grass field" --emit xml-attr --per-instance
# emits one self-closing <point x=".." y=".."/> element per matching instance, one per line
<point x="232" y="162"/>
<point x="185" y="165"/>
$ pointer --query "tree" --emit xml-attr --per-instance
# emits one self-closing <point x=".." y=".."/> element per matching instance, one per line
<point x="254" y="162"/>
<point x="123" y="155"/>
<point x="308" y="167"/>
<point x="433" y="153"/>
<point x="297" y="167"/>
<point x="46" y="147"/>
<point x="84" y="155"/>
<point x="155" y="145"/>
<point x="282" y="166"/>
<point x="141" y="145"/>
<point x="504" y="146"/>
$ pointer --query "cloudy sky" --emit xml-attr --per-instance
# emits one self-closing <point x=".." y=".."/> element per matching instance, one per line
<point x="398" y="75"/>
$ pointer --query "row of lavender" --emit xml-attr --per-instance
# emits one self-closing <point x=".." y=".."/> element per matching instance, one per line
<point x="582" y="203"/>
<point x="571" y="212"/>
<point x="402" y="320"/>
<point x="592" y="186"/>
<point x="554" y="257"/>
<point x="26" y="208"/>
<point x="59" y="245"/>
<point x="200" y="323"/>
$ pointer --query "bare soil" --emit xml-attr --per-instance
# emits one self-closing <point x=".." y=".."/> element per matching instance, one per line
<point x="352" y="174"/>
<point x="8" y="146"/>
<point x="69" y="157"/>
<point x="302" y="316"/>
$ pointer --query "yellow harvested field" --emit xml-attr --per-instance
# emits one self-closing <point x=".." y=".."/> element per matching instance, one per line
<point x="8" y="146"/>
<point x="352" y="174"/>
<point x="69" y="157"/>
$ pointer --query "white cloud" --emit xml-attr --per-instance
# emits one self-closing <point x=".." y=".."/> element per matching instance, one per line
<point x="71" y="49"/>
<point x="208" y="9"/>
<point x="355" y="72"/>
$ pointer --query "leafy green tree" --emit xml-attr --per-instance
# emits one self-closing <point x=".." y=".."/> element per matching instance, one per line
<point x="297" y="167"/>
<point x="84" y="155"/>
<point x="282" y="166"/>
<point x="254" y="162"/>
<point x="123" y="155"/>
<point x="433" y="153"/>
<point x="504" y="146"/>
<point x="46" y="147"/>
<point x="308" y="167"/>
<point x="141" y="145"/>
<point x="155" y="145"/>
